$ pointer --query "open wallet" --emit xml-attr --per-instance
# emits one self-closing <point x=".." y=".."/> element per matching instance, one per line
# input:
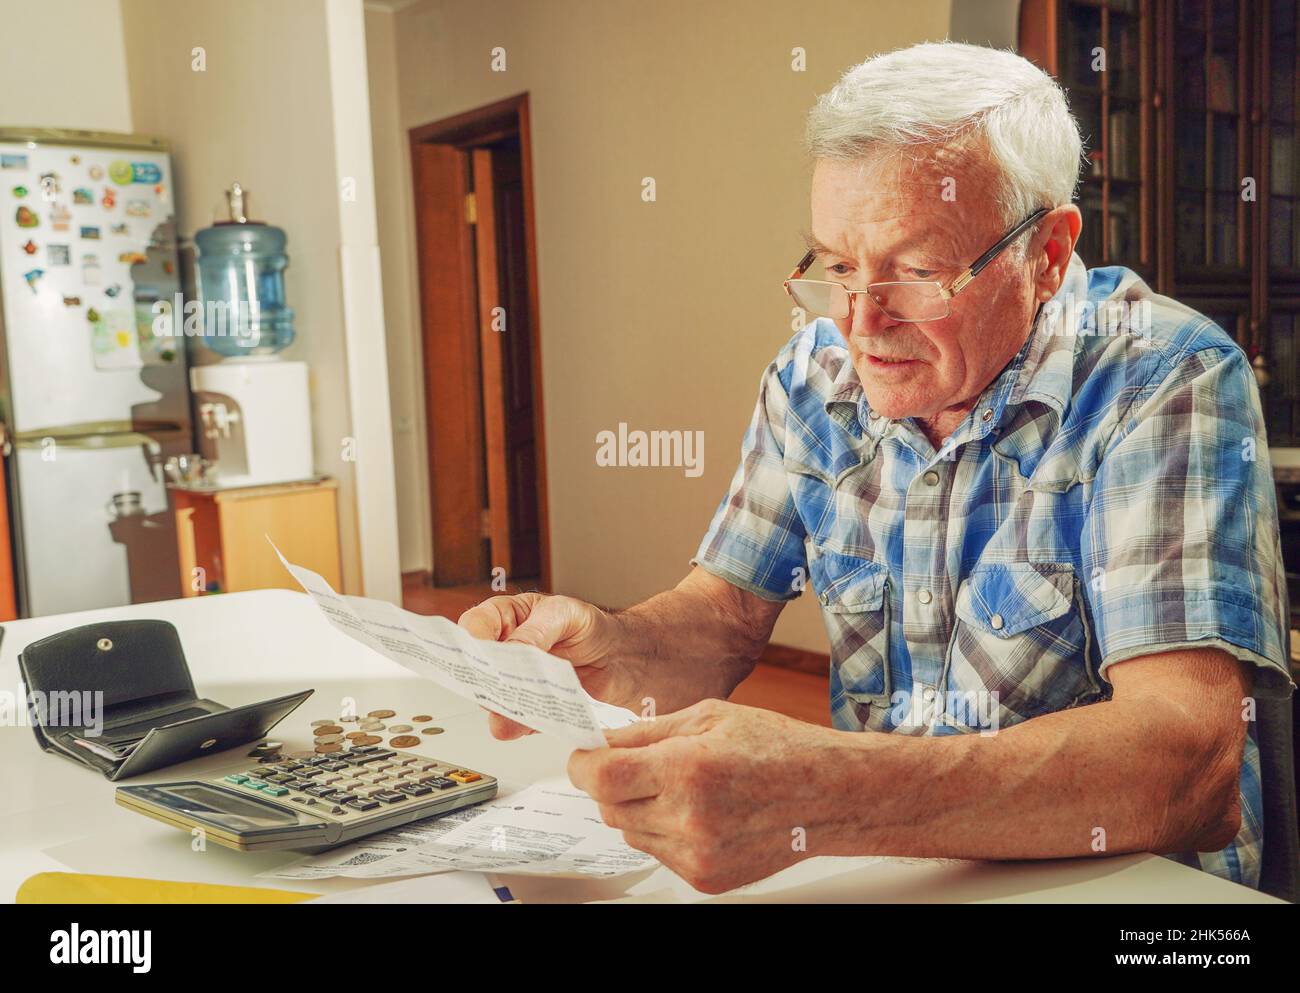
<point x="151" y="715"/>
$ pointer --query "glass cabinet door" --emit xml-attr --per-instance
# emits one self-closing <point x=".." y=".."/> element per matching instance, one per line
<point x="1209" y="101"/>
<point x="1284" y="182"/>
<point x="1104" y="69"/>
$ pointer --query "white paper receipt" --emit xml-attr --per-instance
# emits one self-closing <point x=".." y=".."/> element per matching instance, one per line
<point x="521" y="682"/>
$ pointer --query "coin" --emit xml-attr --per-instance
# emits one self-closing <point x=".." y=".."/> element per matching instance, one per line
<point x="300" y="755"/>
<point x="372" y="725"/>
<point x="370" y="739"/>
<point x="432" y="731"/>
<point x="348" y="719"/>
<point x="326" y="749"/>
<point x="354" y="735"/>
<point x="328" y="729"/>
<point x="422" y="719"/>
<point x="328" y="739"/>
<point x="319" y="724"/>
<point x="404" y="741"/>
<point x="399" y="728"/>
<point x="382" y="713"/>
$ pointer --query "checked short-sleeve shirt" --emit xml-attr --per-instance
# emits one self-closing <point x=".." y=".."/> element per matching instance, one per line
<point x="1110" y="496"/>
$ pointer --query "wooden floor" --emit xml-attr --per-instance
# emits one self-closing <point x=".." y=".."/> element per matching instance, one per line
<point x="787" y="691"/>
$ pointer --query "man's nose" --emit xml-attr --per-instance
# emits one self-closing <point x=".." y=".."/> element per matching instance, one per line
<point x="866" y="318"/>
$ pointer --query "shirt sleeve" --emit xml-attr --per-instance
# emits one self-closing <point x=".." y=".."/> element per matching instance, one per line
<point x="1181" y="543"/>
<point x="756" y="539"/>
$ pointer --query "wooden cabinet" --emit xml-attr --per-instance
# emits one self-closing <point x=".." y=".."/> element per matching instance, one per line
<point x="222" y="536"/>
<point x="1189" y="114"/>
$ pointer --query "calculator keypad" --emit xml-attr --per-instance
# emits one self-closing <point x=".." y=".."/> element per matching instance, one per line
<point x="353" y="783"/>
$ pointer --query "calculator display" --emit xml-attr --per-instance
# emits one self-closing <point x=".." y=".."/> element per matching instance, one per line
<point x="216" y="803"/>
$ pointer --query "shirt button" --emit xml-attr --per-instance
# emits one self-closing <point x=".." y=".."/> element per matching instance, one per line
<point x="995" y="622"/>
<point x="931" y="478"/>
<point x="987" y="415"/>
<point x="924" y="596"/>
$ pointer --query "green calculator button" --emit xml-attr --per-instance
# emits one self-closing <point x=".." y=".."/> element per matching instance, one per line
<point x="256" y="784"/>
<point x="274" y="790"/>
<point x="236" y="779"/>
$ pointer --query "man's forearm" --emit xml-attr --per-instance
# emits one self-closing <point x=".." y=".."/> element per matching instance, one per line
<point x="1112" y="777"/>
<point x="687" y="644"/>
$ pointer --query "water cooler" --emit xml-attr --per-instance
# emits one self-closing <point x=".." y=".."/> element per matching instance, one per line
<point x="254" y="411"/>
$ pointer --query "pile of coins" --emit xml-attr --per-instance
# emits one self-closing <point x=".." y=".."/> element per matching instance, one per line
<point x="331" y="736"/>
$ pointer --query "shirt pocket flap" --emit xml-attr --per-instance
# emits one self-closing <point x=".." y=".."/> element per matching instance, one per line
<point x="847" y="584"/>
<point x="1006" y="599"/>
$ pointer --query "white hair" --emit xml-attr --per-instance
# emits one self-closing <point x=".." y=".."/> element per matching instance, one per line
<point x="952" y="94"/>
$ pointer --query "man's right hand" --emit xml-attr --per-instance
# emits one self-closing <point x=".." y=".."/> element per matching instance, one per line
<point x="564" y="626"/>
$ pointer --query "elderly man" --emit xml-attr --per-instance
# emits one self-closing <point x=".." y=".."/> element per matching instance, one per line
<point x="1032" y="499"/>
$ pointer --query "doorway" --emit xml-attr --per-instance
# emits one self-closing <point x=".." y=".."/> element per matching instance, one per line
<point x="477" y="266"/>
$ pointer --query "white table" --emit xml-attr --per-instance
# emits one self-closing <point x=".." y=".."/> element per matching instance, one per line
<point x="243" y="647"/>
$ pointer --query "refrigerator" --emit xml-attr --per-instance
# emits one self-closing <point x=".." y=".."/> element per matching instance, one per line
<point x="94" y="392"/>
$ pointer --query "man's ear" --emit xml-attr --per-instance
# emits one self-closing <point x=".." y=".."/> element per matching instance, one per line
<point x="1058" y="233"/>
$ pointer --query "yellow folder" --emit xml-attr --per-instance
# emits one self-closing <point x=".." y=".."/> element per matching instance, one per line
<point x="76" y="887"/>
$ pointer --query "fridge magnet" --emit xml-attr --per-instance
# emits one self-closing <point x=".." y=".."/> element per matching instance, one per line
<point x="72" y="301"/>
<point x="90" y="271"/>
<point x="89" y="233"/>
<point x="26" y="218"/>
<point x="60" y="218"/>
<point x="133" y="258"/>
<point x="110" y="198"/>
<point x="20" y="191"/>
<point x="13" y="161"/>
<point x="145" y="172"/>
<point x="160" y="191"/>
<point x="83" y="197"/>
<point x="31" y="247"/>
<point x="138" y="208"/>
<point x="58" y="255"/>
<point x="113" y="290"/>
<point x="169" y="266"/>
<point x="113" y="340"/>
<point x="50" y="186"/>
<point x="33" y="276"/>
<point x="75" y="160"/>
<point x="96" y="172"/>
<point x="120" y="229"/>
<point x="119" y="171"/>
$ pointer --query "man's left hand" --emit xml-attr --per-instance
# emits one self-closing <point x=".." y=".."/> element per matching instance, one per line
<point x="720" y="793"/>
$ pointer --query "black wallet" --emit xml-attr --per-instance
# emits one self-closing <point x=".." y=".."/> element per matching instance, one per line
<point x="117" y="696"/>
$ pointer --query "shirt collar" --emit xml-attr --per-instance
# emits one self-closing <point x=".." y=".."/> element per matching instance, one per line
<point x="1043" y="370"/>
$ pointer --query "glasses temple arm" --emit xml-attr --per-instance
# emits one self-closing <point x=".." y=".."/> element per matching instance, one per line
<point x="803" y="265"/>
<point x="996" y="250"/>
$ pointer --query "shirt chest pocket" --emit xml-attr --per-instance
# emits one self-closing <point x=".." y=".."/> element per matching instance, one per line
<point x="854" y="597"/>
<point x="1020" y="633"/>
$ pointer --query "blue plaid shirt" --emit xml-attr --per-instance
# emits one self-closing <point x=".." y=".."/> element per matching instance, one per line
<point x="1109" y="496"/>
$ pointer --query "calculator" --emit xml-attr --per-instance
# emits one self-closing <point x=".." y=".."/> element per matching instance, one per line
<point x="313" y="803"/>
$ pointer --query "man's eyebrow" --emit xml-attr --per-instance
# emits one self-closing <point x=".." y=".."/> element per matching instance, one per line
<point x="922" y="250"/>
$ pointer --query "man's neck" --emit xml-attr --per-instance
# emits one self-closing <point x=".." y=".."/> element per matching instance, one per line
<point x="941" y="426"/>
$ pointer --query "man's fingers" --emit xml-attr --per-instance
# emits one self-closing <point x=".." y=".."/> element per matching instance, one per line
<point x="553" y="621"/>
<point x="648" y="731"/>
<point x="504" y="729"/>
<point x="617" y="775"/>
<point x="496" y="617"/>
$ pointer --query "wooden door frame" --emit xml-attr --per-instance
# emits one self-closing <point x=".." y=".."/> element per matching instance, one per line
<point x="478" y="127"/>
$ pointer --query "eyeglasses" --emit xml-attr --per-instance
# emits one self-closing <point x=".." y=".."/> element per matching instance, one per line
<point x="914" y="301"/>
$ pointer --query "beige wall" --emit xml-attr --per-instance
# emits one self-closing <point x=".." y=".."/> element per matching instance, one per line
<point x="662" y="315"/>
<point x="63" y="65"/>
<point x="263" y="112"/>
